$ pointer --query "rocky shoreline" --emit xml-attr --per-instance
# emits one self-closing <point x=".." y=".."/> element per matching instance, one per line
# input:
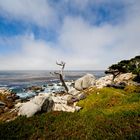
<point x="57" y="99"/>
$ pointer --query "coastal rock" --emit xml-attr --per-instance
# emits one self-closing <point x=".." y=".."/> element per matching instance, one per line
<point x="5" y="91"/>
<point x="119" y="82"/>
<point x="38" y="103"/>
<point x="8" y="98"/>
<point x="84" y="82"/>
<point x="67" y="108"/>
<point x="55" y="88"/>
<point x="70" y="83"/>
<point x="60" y="99"/>
<point x="61" y="103"/>
<point x="36" y="89"/>
<point x="73" y="99"/>
<point x="29" y="109"/>
<point x="104" y="81"/>
<point x="47" y="105"/>
<point x="124" y="78"/>
<point x="73" y="91"/>
<point x="81" y="96"/>
<point x="25" y="95"/>
<point x="18" y="105"/>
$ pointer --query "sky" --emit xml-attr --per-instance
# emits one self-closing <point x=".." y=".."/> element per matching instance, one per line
<point x="86" y="34"/>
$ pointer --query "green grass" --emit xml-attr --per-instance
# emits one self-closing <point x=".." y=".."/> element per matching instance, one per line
<point x="107" y="114"/>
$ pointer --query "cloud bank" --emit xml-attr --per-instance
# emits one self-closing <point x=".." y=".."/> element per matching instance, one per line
<point x="82" y="44"/>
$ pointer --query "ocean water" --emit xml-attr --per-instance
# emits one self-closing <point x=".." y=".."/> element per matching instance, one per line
<point x="19" y="81"/>
<point x="29" y="78"/>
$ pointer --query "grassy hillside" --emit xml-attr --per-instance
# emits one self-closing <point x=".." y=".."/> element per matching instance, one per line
<point x="107" y="114"/>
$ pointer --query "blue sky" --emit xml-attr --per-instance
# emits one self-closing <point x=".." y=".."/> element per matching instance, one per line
<point x="86" y="34"/>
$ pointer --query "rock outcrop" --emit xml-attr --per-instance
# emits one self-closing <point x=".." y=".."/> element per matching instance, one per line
<point x="61" y="103"/>
<point x="84" y="82"/>
<point x="121" y="79"/>
<point x="37" y="104"/>
<point x="124" y="78"/>
<point x="46" y="102"/>
<point x="104" y="81"/>
<point x="5" y="91"/>
<point x="7" y="98"/>
<point x="36" y="89"/>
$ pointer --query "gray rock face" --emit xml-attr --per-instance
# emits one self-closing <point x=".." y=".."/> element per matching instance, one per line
<point x="85" y="82"/>
<point x="47" y="105"/>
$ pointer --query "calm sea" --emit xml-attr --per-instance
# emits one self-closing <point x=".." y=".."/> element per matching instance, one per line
<point x="24" y="78"/>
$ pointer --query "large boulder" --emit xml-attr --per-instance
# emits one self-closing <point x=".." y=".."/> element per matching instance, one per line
<point x="84" y="82"/>
<point x="124" y="78"/>
<point x="104" y="81"/>
<point x="47" y="105"/>
<point x="29" y="109"/>
<point x="37" y="104"/>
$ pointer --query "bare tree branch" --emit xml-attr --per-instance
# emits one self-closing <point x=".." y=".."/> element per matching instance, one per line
<point x="61" y="74"/>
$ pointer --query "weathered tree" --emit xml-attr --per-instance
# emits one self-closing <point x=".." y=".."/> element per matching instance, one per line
<point x="61" y="74"/>
<point x="124" y="66"/>
<point x="113" y="72"/>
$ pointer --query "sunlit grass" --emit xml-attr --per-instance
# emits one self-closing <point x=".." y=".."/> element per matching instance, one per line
<point x="107" y="113"/>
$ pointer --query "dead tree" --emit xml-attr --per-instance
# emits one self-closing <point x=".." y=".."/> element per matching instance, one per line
<point x="61" y="74"/>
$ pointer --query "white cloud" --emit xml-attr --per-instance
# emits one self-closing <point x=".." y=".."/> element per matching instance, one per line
<point x="34" y="54"/>
<point x="33" y="11"/>
<point x="80" y="45"/>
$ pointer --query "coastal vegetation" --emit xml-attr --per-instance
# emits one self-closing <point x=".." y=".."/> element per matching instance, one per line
<point x="126" y="66"/>
<point x="107" y="113"/>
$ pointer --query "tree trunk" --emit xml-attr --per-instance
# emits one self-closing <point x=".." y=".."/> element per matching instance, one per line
<point x="63" y="83"/>
<point x="62" y="64"/>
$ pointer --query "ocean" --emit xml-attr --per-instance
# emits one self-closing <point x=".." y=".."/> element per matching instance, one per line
<point x="39" y="77"/>
<point x="18" y="81"/>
